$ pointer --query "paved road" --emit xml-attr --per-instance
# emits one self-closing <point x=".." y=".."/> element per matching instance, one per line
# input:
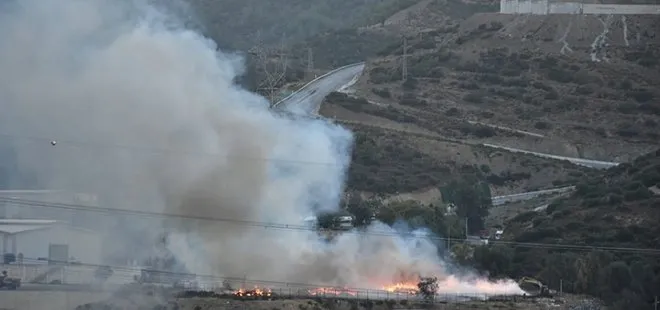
<point x="307" y="100"/>
<point x="597" y="164"/>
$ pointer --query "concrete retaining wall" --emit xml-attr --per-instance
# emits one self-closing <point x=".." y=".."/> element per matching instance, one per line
<point x="544" y="7"/>
<point x="621" y="9"/>
<point x="566" y="8"/>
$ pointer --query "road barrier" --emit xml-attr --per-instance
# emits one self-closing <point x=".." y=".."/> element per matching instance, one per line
<point x="315" y="80"/>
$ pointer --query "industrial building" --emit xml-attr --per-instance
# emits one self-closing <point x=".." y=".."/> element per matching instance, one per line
<point x="43" y="241"/>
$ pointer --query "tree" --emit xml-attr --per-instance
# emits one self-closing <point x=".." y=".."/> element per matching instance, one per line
<point x="462" y="253"/>
<point x="472" y="199"/>
<point x="428" y="287"/>
<point x="558" y="267"/>
<point x="327" y="220"/>
<point x="588" y="271"/>
<point x="497" y="260"/>
<point x="361" y="209"/>
<point x="617" y="276"/>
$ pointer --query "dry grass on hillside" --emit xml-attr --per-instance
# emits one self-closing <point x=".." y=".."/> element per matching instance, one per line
<point x="507" y="71"/>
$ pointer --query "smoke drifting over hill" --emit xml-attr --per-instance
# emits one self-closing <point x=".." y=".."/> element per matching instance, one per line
<point x="147" y="115"/>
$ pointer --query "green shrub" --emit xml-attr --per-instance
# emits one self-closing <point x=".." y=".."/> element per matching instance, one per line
<point x="382" y="92"/>
<point x="642" y="96"/>
<point x="542" y="125"/>
<point x="524" y="217"/>
<point x="452" y="112"/>
<point x="627" y="108"/>
<point x="638" y="194"/>
<point x="474" y="97"/>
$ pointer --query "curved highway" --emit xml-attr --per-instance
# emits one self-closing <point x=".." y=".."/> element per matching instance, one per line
<point x="307" y="100"/>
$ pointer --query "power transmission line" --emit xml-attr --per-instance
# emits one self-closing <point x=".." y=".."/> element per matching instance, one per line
<point x="55" y="143"/>
<point x="296" y="227"/>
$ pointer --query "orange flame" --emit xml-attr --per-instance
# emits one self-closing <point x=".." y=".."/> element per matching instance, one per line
<point x="402" y="287"/>
<point x="256" y="292"/>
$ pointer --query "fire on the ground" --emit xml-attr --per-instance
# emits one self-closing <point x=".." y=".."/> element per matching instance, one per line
<point x="255" y="292"/>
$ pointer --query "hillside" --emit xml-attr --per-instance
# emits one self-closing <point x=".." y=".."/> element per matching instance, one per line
<point x="536" y="76"/>
<point x="390" y="161"/>
<point x="379" y="34"/>
<point x="242" y="23"/>
<point x="616" y="209"/>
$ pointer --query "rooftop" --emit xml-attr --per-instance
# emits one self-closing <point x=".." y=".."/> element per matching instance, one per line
<point x="13" y="226"/>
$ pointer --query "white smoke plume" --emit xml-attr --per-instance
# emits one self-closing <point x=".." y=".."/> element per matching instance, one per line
<point x="147" y="116"/>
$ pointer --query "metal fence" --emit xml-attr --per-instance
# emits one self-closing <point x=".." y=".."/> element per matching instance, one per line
<point x="86" y="276"/>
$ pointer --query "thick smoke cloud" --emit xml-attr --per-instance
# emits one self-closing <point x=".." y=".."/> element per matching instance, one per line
<point x="147" y="116"/>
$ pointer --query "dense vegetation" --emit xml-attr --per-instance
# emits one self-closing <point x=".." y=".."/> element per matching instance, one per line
<point x="381" y="164"/>
<point x="616" y="209"/>
<point x="238" y="21"/>
<point x="347" y="46"/>
<point x="470" y="196"/>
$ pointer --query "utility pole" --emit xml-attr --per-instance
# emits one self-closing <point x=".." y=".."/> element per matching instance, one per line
<point x="466" y="227"/>
<point x="448" y="237"/>
<point x="404" y="62"/>
<point x="561" y="287"/>
<point x="655" y="303"/>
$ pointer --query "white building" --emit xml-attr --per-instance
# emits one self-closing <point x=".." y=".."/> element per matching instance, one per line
<point x="42" y="240"/>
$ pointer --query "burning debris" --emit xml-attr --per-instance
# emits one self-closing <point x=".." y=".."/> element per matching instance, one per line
<point x="255" y="293"/>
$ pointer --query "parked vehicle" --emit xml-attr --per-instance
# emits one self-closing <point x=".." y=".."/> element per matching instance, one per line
<point x="9" y="283"/>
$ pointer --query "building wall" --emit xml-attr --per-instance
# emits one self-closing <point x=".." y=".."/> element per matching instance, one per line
<point x="84" y="246"/>
<point x="566" y="8"/>
<point x="621" y="9"/>
<point x="508" y="6"/>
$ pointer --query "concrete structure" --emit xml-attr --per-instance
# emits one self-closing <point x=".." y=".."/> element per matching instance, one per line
<point x="33" y="210"/>
<point x="545" y="7"/>
<point x="40" y="241"/>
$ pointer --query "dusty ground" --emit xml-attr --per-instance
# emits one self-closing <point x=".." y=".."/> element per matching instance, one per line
<point x="36" y="300"/>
